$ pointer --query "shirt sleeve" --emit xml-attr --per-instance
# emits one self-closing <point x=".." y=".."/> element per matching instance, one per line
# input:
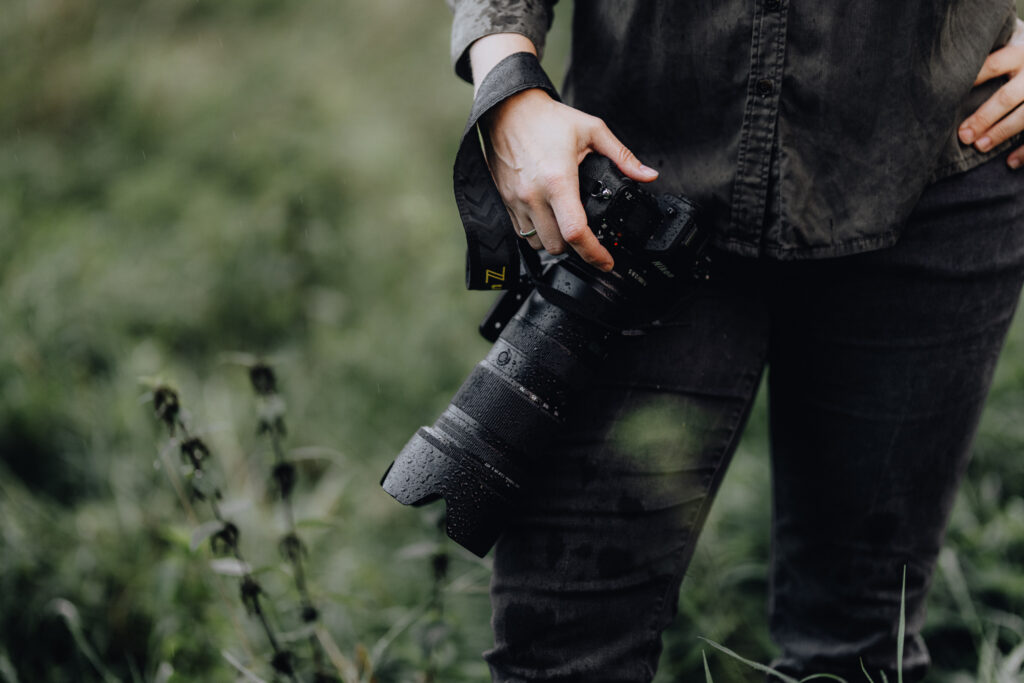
<point x="478" y="18"/>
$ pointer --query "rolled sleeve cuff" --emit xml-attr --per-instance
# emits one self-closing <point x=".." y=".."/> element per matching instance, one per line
<point x="475" y="19"/>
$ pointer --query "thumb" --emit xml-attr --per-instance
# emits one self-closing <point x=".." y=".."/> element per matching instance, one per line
<point x="603" y="141"/>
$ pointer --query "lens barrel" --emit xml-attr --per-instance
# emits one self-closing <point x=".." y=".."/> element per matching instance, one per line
<point x="481" y="453"/>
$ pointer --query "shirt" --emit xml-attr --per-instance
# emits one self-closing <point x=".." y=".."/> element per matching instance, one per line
<point x="804" y="130"/>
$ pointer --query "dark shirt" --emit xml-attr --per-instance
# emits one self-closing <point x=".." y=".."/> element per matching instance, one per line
<point x="804" y="129"/>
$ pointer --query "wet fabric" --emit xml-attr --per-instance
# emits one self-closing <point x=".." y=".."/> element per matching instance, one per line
<point x="805" y="131"/>
<point x="878" y="366"/>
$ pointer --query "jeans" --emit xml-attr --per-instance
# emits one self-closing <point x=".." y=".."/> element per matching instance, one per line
<point x="878" y="367"/>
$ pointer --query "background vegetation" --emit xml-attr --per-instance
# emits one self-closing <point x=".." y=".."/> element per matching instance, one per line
<point x="181" y="179"/>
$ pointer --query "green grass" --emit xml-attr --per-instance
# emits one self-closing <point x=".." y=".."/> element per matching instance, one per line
<point x="757" y="666"/>
<point x="180" y="180"/>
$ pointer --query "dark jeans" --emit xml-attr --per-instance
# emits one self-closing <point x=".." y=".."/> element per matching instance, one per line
<point x="878" y="368"/>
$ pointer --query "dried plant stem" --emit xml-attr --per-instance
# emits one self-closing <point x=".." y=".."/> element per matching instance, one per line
<point x="195" y="451"/>
<point x="251" y="592"/>
<point x="272" y="427"/>
<point x="193" y="518"/>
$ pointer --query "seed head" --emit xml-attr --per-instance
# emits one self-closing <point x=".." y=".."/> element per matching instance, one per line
<point x="291" y="547"/>
<point x="194" y="451"/>
<point x="284" y="475"/>
<point x="166" y="406"/>
<point x="250" y="590"/>
<point x="263" y="380"/>
<point x="282" y="662"/>
<point x="225" y="540"/>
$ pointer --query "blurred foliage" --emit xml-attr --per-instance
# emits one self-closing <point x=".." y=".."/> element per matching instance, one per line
<point x="185" y="178"/>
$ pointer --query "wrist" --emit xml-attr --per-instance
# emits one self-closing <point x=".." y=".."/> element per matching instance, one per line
<point x="487" y="51"/>
<point x="513" y="105"/>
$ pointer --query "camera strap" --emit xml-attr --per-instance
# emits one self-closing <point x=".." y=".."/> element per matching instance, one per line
<point x="492" y="255"/>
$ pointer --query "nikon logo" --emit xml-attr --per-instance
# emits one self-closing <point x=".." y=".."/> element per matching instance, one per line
<point x="637" y="276"/>
<point x="663" y="268"/>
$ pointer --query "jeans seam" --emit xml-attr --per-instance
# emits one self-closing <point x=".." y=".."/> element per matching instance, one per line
<point x="737" y="418"/>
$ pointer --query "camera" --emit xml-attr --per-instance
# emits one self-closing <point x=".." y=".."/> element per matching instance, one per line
<point x="550" y="335"/>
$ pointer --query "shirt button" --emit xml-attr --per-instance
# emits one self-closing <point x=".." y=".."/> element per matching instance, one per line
<point x="773" y="5"/>
<point x="765" y="87"/>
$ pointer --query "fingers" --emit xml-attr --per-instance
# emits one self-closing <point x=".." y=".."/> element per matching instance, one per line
<point x="572" y="222"/>
<point x="1016" y="158"/>
<point x="524" y="226"/>
<point x="534" y="146"/>
<point x="1003" y="61"/>
<point x="561" y="222"/>
<point x="550" y="204"/>
<point x="547" y="228"/>
<point x="1000" y="117"/>
<point x="978" y="128"/>
<point x="1006" y="128"/>
<point x="602" y="140"/>
<point x="530" y="212"/>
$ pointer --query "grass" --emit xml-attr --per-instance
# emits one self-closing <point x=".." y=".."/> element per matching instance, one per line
<point x="993" y="666"/>
<point x="901" y="634"/>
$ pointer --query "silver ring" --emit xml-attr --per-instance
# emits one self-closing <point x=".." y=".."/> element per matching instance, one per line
<point x="527" y="234"/>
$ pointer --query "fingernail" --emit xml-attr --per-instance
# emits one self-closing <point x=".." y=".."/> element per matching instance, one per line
<point x="606" y="267"/>
<point x="984" y="143"/>
<point x="967" y="135"/>
<point x="1013" y="162"/>
<point x="647" y="170"/>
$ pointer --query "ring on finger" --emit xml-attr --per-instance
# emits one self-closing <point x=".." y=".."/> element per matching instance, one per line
<point x="527" y="234"/>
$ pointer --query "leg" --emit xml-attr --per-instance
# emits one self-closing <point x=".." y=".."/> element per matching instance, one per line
<point x="880" y="364"/>
<point x="587" y="577"/>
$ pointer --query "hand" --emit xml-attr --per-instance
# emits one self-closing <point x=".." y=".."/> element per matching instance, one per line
<point x="534" y="148"/>
<point x="1000" y="117"/>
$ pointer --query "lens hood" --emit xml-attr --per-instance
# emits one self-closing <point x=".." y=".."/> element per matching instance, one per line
<point x="479" y="500"/>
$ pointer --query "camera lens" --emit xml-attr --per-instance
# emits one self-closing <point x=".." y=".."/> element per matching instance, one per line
<point x="480" y="454"/>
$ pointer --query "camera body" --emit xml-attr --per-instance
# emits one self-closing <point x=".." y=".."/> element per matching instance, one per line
<point x="655" y="241"/>
<point x="550" y="335"/>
